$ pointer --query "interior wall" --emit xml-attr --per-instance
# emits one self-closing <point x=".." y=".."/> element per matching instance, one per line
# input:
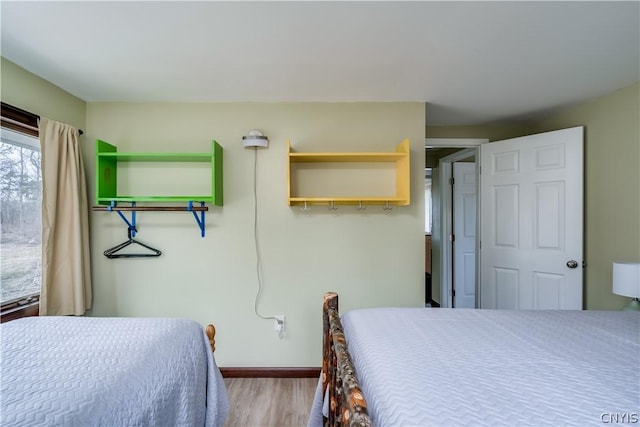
<point x="31" y="93"/>
<point x="213" y="279"/>
<point x="493" y="132"/>
<point x="612" y="187"/>
<point x="372" y="258"/>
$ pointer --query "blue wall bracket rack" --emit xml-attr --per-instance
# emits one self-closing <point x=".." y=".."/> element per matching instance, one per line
<point x="197" y="211"/>
<point x="199" y="221"/>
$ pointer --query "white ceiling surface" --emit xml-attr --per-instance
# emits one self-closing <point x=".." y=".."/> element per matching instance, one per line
<point x="473" y="62"/>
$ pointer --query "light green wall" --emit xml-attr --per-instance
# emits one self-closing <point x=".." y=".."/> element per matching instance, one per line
<point x="25" y="90"/>
<point x="612" y="186"/>
<point x="372" y="259"/>
<point x="375" y="258"/>
<point x="491" y="132"/>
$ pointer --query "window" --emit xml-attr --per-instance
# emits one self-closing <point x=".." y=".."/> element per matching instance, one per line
<point x="20" y="218"/>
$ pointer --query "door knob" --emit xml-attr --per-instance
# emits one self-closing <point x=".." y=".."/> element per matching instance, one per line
<point x="572" y="264"/>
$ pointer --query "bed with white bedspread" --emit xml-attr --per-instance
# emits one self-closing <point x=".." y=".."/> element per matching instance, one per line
<point x="444" y="367"/>
<point x="86" y="371"/>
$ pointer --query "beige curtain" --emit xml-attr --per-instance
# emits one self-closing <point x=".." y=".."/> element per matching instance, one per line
<point x="66" y="274"/>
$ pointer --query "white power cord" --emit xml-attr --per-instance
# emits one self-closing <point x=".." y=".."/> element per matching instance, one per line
<point x="257" y="246"/>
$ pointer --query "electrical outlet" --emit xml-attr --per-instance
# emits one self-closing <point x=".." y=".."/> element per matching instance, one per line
<point x="280" y="323"/>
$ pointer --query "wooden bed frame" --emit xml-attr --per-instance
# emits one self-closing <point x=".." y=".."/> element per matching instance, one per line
<point x="210" y="330"/>
<point x="347" y="405"/>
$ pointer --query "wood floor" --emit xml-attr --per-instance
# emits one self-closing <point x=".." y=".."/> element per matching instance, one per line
<point x="269" y="402"/>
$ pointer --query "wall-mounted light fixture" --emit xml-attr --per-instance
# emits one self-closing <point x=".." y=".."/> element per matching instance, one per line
<point x="255" y="139"/>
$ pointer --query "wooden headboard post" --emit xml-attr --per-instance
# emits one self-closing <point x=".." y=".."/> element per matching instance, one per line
<point x="210" y="330"/>
<point x="330" y="302"/>
<point x="347" y="405"/>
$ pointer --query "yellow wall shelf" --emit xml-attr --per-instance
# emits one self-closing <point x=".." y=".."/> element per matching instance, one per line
<point x="347" y="192"/>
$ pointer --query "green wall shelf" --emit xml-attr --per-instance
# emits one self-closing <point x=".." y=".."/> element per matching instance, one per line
<point x="108" y="157"/>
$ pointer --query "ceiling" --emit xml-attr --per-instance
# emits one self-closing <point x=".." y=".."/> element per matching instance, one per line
<point x="472" y="62"/>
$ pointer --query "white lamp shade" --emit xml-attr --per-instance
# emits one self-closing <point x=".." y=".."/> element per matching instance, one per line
<point x="255" y="139"/>
<point x="626" y="279"/>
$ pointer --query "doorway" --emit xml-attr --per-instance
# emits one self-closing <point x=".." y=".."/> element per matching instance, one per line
<point x="531" y="208"/>
<point x="441" y="156"/>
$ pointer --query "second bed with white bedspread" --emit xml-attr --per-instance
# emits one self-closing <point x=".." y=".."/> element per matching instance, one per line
<point x="446" y="367"/>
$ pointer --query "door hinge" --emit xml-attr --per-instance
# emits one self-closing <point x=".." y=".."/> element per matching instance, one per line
<point x="451" y="181"/>
<point x="452" y="237"/>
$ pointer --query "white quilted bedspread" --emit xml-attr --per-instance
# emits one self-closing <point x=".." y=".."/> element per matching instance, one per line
<point x="85" y="371"/>
<point x="443" y="367"/>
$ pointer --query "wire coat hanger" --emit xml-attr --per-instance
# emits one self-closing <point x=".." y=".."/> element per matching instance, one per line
<point x="111" y="253"/>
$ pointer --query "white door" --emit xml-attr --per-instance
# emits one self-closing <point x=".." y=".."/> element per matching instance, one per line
<point x="464" y="231"/>
<point x="531" y="235"/>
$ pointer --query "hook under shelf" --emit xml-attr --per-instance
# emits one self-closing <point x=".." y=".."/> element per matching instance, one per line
<point x="305" y="208"/>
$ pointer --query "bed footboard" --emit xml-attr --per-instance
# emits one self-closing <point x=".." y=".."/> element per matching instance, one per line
<point x="347" y="405"/>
